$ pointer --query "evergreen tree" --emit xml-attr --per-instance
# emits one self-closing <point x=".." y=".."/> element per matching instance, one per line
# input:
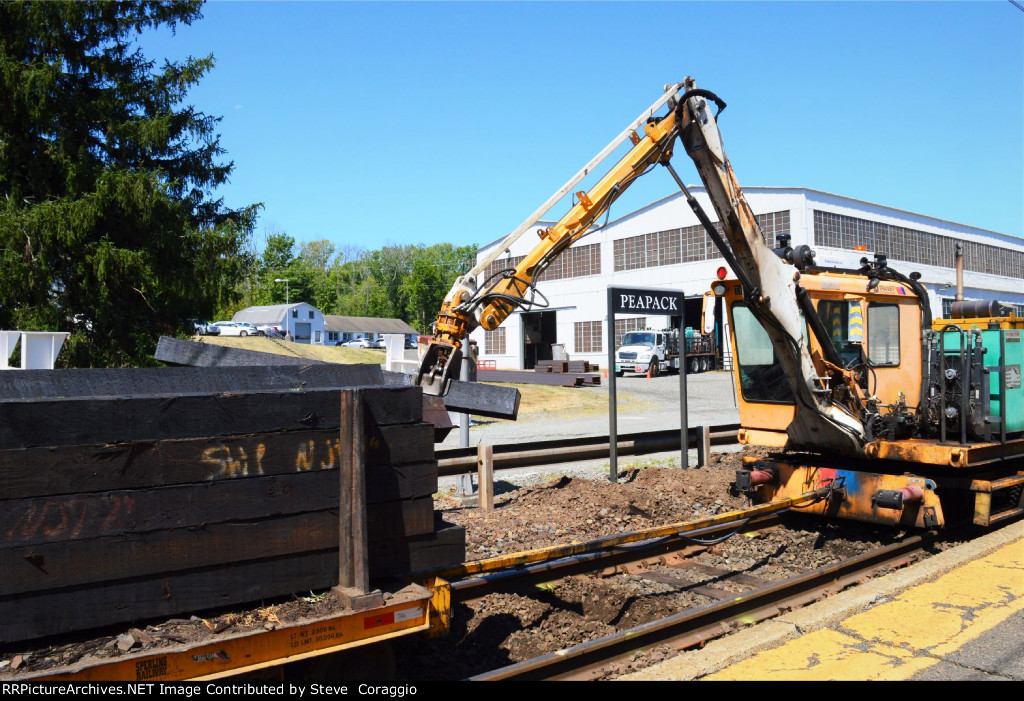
<point x="108" y="226"/>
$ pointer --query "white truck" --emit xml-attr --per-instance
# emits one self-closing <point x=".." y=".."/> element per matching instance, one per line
<point x="654" y="351"/>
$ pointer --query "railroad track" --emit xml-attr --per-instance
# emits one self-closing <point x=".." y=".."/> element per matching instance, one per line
<point x="758" y="600"/>
<point x="681" y="570"/>
<point x="628" y="557"/>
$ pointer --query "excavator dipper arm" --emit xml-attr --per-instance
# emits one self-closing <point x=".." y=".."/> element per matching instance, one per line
<point x="772" y="289"/>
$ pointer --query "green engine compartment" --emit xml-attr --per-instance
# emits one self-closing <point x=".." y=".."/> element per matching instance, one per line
<point x="1002" y="347"/>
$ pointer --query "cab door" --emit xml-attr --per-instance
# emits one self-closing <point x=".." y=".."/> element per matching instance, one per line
<point x="893" y="348"/>
<point x="878" y="336"/>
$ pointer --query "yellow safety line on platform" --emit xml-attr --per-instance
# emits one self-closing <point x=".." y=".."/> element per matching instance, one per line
<point x="900" y="638"/>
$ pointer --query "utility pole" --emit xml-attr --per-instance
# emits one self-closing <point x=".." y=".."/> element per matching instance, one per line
<point x="286" y="301"/>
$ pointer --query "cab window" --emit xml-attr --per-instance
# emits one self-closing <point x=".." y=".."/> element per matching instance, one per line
<point x="883" y="334"/>
<point x="843" y="321"/>
<point x="762" y="379"/>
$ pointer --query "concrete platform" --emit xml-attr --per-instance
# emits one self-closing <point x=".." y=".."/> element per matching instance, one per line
<point x="957" y="616"/>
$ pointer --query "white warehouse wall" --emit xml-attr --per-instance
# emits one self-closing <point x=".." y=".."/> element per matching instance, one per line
<point x="584" y="298"/>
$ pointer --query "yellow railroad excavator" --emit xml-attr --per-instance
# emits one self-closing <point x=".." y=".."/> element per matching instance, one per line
<point x="843" y="369"/>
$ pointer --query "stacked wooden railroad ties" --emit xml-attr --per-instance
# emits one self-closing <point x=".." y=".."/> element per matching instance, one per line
<point x="134" y="494"/>
<point x="568" y="366"/>
<point x="564" y="373"/>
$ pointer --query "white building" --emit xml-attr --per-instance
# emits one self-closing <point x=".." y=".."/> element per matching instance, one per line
<point x="303" y="321"/>
<point x="663" y="246"/>
<point x="346" y="328"/>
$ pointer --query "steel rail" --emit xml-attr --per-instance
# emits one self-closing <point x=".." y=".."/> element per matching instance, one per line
<point x="684" y="528"/>
<point x="697" y="625"/>
<point x="472" y="588"/>
<point x="457" y="461"/>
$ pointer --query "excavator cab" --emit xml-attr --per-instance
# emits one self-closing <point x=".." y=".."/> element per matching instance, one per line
<point x="875" y="337"/>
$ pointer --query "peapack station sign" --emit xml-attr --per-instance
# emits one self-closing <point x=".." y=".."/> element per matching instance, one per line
<point x="633" y="300"/>
<point x="628" y="301"/>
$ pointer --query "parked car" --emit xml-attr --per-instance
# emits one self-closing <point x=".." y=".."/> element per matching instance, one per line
<point x="357" y="343"/>
<point x="252" y="329"/>
<point x="231" y="328"/>
<point x="379" y="343"/>
<point x="204" y="328"/>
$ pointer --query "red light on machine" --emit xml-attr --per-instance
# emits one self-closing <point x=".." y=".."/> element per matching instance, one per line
<point x="722" y="272"/>
<point x="860" y="248"/>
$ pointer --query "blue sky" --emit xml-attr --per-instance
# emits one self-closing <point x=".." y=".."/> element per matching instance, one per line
<point x="431" y="122"/>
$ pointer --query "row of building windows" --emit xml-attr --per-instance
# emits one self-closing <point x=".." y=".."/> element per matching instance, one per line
<point x="624" y="326"/>
<point x="691" y="243"/>
<point x="578" y="261"/>
<point x="911" y="245"/>
<point x="947" y="307"/>
<point x="494" y="341"/>
<point x="686" y="244"/>
<point x="587" y="336"/>
<point x="772" y="224"/>
<point x="507" y="263"/>
<point x="575" y="262"/>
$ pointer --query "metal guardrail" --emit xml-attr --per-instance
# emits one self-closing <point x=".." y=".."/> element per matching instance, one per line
<point x="459" y="461"/>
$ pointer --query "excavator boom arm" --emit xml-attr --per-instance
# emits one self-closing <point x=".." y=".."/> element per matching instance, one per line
<point x="468" y="306"/>
<point x="771" y="283"/>
<point x="500" y="298"/>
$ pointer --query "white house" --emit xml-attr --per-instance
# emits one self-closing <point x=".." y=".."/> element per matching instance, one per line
<point x="663" y="246"/>
<point x="347" y="328"/>
<point x="304" y="322"/>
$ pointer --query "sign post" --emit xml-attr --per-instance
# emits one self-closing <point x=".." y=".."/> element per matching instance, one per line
<point x="636" y="300"/>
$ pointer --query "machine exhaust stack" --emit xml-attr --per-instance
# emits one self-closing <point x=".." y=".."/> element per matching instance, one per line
<point x="959" y="261"/>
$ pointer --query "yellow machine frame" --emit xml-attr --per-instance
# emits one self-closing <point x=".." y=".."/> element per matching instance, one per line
<point x="900" y="462"/>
